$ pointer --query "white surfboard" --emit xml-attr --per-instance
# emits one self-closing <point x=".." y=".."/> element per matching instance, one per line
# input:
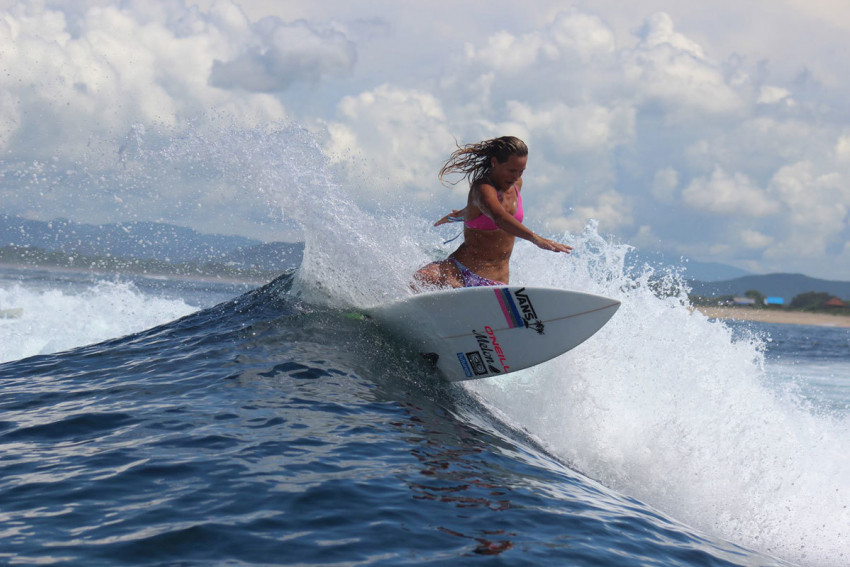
<point x="12" y="313"/>
<point x="480" y="332"/>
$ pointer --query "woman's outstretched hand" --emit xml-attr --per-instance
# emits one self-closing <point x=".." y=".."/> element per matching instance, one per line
<point x="454" y="216"/>
<point x="551" y="245"/>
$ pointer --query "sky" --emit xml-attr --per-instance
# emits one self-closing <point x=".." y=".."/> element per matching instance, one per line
<point x="719" y="131"/>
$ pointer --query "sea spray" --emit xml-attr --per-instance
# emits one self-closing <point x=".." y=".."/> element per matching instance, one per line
<point x="351" y="257"/>
<point x="54" y="319"/>
<point x="666" y="406"/>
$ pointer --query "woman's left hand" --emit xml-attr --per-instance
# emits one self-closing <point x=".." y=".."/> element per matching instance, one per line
<point x="455" y="216"/>
<point x="551" y="245"/>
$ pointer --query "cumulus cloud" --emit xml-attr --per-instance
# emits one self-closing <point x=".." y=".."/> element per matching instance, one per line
<point x="97" y="71"/>
<point x="394" y="137"/>
<point x="572" y="34"/>
<point x="842" y="148"/>
<point x="612" y="210"/>
<point x="817" y="203"/>
<point x="773" y="95"/>
<point x="754" y="240"/>
<point x="581" y="128"/>
<point x="645" y="238"/>
<point x="280" y="54"/>
<point x="668" y="68"/>
<point x="735" y="195"/>
<point x="665" y="184"/>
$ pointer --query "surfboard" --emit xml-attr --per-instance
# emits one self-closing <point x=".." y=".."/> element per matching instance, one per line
<point x="16" y="313"/>
<point x="481" y="332"/>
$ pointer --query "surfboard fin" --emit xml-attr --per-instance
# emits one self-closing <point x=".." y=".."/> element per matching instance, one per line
<point x="431" y="357"/>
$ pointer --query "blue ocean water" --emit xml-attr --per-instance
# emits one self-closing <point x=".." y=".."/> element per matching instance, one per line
<point x="150" y="421"/>
<point x="258" y="428"/>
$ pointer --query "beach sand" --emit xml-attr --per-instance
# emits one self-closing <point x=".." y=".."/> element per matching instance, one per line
<point x="776" y="316"/>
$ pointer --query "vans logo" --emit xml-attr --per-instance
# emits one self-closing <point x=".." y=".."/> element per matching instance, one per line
<point x="529" y="314"/>
<point x="518" y="309"/>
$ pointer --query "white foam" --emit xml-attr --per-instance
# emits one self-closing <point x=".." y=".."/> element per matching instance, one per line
<point x="59" y="319"/>
<point x="663" y="405"/>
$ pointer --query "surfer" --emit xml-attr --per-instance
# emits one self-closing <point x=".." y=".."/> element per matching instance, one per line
<point x="492" y="218"/>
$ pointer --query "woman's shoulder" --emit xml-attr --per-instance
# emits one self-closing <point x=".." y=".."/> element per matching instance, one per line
<point x="482" y="182"/>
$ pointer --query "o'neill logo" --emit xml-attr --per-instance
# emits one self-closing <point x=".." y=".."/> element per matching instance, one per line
<point x="491" y="350"/>
<point x="529" y="315"/>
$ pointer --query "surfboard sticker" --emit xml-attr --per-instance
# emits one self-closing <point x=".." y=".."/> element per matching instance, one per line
<point x="518" y="309"/>
<point x="489" y="345"/>
<point x="529" y="313"/>
<point x="477" y="362"/>
<point x="509" y="308"/>
<point x="464" y="364"/>
<point x="473" y="364"/>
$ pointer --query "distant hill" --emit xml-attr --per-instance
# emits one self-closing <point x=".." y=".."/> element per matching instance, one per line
<point x="693" y="270"/>
<point x="147" y="240"/>
<point x="775" y="285"/>
<point x="272" y="255"/>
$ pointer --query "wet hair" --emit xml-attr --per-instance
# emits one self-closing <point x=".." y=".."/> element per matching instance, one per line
<point x="473" y="160"/>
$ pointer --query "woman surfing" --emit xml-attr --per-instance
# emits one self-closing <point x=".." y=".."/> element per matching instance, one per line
<point x="492" y="218"/>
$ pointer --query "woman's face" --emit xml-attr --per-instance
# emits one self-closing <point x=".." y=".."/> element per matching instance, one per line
<point x="509" y="172"/>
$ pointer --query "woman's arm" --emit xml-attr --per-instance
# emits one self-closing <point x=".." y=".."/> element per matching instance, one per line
<point x="486" y="198"/>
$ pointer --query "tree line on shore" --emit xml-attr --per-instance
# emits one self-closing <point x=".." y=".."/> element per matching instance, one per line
<point x="808" y="301"/>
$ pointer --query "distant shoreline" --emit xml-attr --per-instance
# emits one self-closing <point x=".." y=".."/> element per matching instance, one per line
<point x="775" y="316"/>
<point x="153" y="275"/>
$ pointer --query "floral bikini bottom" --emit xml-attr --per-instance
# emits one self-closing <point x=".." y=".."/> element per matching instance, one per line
<point x="471" y="279"/>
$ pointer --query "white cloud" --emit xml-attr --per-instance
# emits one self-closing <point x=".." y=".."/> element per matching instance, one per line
<point x="735" y="195"/>
<point x="658" y="30"/>
<point x="398" y="138"/>
<point x="817" y="204"/>
<point x="754" y="240"/>
<point x="773" y="95"/>
<point x="668" y="68"/>
<point x="665" y="184"/>
<point x="582" y="128"/>
<point x="645" y="238"/>
<point x="842" y="148"/>
<point x="279" y="54"/>
<point x="98" y="70"/>
<point x="612" y="210"/>
<point x="571" y="34"/>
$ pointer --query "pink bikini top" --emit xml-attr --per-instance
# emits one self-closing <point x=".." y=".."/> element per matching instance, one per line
<point x="483" y="222"/>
